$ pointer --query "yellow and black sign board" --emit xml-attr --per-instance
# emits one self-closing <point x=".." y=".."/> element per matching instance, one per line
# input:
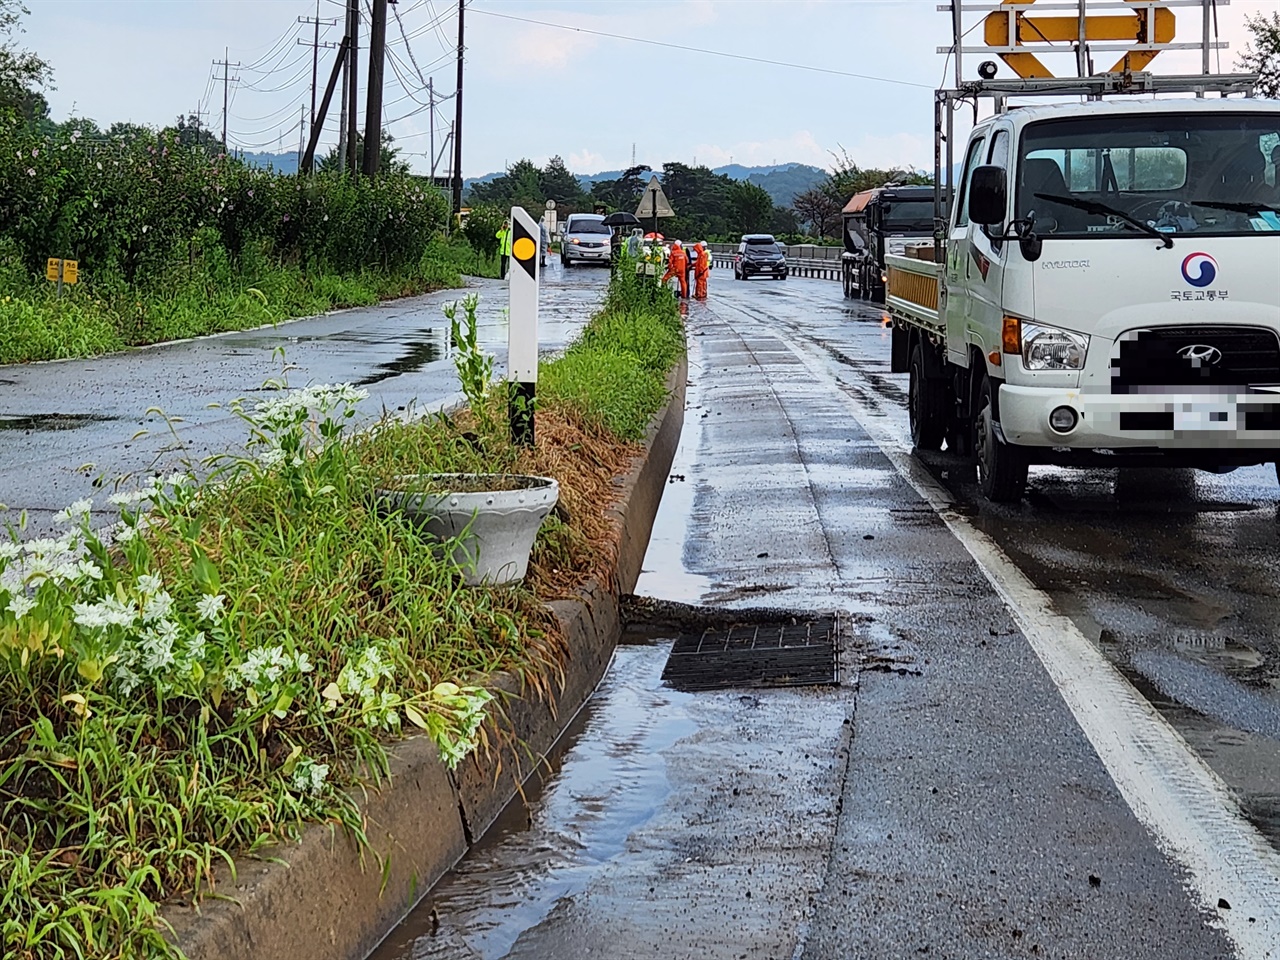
<point x="524" y="248"/>
<point x="1146" y="25"/>
<point x="68" y="271"/>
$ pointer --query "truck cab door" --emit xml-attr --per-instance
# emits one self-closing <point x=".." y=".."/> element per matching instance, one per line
<point x="987" y="257"/>
<point x="958" y="270"/>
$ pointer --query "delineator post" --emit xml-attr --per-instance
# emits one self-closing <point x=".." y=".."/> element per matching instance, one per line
<point x="522" y="331"/>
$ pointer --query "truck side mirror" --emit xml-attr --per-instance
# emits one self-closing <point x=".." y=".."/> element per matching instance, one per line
<point x="987" y="195"/>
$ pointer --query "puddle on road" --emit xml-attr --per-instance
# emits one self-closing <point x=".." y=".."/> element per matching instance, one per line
<point x="52" y="421"/>
<point x="431" y="347"/>
<point x="606" y="777"/>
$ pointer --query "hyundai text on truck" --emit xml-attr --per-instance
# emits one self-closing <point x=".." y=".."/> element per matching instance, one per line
<point x="1103" y="287"/>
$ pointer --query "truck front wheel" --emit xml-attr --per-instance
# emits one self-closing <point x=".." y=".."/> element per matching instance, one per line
<point x="926" y="405"/>
<point x="1002" y="469"/>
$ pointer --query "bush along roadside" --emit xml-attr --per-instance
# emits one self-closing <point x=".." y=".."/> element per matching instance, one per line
<point x="232" y="659"/>
<point x="175" y="240"/>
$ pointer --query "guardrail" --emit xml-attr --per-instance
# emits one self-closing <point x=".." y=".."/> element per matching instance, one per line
<point x="817" y="268"/>
<point x="798" y="251"/>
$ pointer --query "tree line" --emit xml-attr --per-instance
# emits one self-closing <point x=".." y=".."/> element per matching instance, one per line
<point x="708" y="205"/>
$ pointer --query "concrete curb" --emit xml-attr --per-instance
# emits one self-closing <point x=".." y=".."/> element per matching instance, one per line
<point x="322" y="898"/>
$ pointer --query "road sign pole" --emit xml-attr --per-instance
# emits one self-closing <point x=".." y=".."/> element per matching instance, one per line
<point x="62" y="264"/>
<point x="522" y="329"/>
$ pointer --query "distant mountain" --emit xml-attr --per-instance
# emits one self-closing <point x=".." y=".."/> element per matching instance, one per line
<point x="280" y="162"/>
<point x="784" y="183"/>
<point x="587" y="179"/>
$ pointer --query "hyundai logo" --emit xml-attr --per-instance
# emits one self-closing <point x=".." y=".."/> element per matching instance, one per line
<point x="1200" y="354"/>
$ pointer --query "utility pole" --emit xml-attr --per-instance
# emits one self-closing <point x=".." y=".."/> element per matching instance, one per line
<point x="448" y="138"/>
<point x="431" y="150"/>
<point x="457" y="122"/>
<point x="373" y="110"/>
<point x="342" y="94"/>
<point x="302" y="133"/>
<point x="353" y="82"/>
<point x="307" y="163"/>
<point x="315" y="46"/>
<point x="227" y="80"/>
<point x="444" y="151"/>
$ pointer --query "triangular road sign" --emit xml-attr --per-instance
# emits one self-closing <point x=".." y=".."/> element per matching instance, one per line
<point x="654" y="197"/>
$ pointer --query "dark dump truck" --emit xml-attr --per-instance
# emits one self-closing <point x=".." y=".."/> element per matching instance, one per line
<point x="879" y="222"/>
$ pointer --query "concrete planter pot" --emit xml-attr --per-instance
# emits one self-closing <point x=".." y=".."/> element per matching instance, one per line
<point x="491" y="520"/>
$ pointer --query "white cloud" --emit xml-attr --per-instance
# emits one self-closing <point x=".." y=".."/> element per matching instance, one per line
<point x="585" y="161"/>
<point x="546" y="48"/>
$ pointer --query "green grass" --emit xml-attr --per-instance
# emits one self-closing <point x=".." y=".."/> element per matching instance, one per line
<point x="90" y="320"/>
<point x="135" y="757"/>
<point x="616" y="372"/>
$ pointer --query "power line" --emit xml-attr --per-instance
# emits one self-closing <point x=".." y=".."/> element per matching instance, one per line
<point x="412" y="58"/>
<point x="281" y="44"/>
<point x="265" y="130"/>
<point x="270" y="117"/>
<point x="264" y="68"/>
<point x="433" y="24"/>
<point x="288" y="84"/>
<point x="712" y="53"/>
<point x="431" y="12"/>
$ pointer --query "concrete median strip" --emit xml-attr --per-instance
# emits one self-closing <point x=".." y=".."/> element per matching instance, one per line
<point x="327" y="898"/>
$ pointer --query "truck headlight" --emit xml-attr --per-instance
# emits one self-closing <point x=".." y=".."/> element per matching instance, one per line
<point x="1048" y="348"/>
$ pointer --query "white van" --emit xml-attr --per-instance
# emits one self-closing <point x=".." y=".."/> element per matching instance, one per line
<point x="586" y="239"/>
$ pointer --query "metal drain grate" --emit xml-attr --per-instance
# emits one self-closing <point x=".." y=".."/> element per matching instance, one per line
<point x="756" y="655"/>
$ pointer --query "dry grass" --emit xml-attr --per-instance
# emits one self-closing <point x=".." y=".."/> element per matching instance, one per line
<point x="582" y="542"/>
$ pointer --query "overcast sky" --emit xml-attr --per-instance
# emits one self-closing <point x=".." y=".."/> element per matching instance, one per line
<point x="535" y="90"/>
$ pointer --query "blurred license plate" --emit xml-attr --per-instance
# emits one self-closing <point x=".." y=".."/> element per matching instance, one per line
<point x="1204" y="416"/>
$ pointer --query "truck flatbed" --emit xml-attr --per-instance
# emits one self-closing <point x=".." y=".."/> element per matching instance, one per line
<point x="912" y="290"/>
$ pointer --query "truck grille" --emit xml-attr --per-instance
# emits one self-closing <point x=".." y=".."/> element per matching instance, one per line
<point x="1209" y="357"/>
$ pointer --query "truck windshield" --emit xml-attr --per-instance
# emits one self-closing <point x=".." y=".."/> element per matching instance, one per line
<point x="909" y="216"/>
<point x="1177" y="173"/>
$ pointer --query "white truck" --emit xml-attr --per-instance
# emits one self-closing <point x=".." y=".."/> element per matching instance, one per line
<point x="1106" y="288"/>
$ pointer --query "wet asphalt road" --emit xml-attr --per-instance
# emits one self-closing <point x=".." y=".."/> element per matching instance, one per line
<point x="57" y="417"/>
<point x="1175" y="574"/>
<point x="944" y="801"/>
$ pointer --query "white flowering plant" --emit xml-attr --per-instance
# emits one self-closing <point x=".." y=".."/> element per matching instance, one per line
<point x="299" y="435"/>
<point x="226" y="658"/>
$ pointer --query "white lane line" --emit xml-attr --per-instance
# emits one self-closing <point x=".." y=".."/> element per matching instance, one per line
<point x="1189" y="810"/>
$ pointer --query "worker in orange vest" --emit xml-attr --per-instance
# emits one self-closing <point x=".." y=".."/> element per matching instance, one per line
<point x="677" y="264"/>
<point x="701" y="270"/>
